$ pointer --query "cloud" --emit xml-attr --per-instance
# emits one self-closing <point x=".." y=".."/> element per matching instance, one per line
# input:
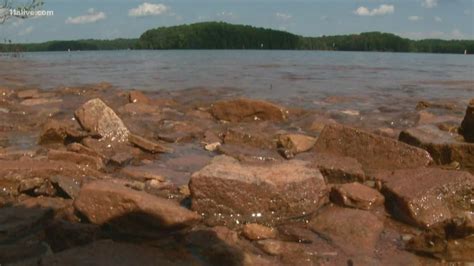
<point x="147" y="9"/>
<point x="438" y="19"/>
<point x="414" y="18"/>
<point x="92" y="16"/>
<point x="429" y="3"/>
<point x="283" y="16"/>
<point x="380" y="11"/>
<point x="26" y="31"/>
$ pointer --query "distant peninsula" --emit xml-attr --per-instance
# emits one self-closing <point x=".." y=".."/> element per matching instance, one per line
<point x="221" y="35"/>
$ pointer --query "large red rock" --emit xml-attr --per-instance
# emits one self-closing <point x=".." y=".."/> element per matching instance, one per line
<point x="427" y="196"/>
<point x="355" y="232"/>
<point x="248" y="110"/>
<point x="372" y="151"/>
<point x="227" y="191"/>
<point x="444" y="147"/>
<point x="98" y="118"/>
<point x="107" y="202"/>
<point x="467" y="125"/>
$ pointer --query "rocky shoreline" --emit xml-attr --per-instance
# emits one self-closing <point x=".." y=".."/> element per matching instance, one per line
<point x="98" y="175"/>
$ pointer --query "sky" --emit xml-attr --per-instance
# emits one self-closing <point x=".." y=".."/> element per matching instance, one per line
<point x="109" y="19"/>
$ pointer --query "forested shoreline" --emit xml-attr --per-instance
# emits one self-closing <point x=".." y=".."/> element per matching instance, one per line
<point x="220" y="35"/>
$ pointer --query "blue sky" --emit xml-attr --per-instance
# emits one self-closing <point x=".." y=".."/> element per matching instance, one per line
<point x="105" y="19"/>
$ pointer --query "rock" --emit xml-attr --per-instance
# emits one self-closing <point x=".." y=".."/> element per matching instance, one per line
<point x="450" y="241"/>
<point x="229" y="192"/>
<point x="61" y="208"/>
<point x="57" y="131"/>
<point x="96" y="117"/>
<point x="81" y="149"/>
<point x="40" y="101"/>
<point x="142" y="174"/>
<point x="467" y="125"/>
<point x="335" y="169"/>
<point x="247" y="110"/>
<point x="258" y="232"/>
<point x="77" y="158"/>
<point x="28" y="94"/>
<point x="357" y="196"/>
<point x="148" y="145"/>
<point x="121" y="159"/>
<point x="354" y="231"/>
<point x="247" y="153"/>
<point x="295" y="143"/>
<point x="17" y="222"/>
<point x="69" y="185"/>
<point x="212" y="146"/>
<point x="24" y="253"/>
<point x="138" y="97"/>
<point x="427" y="196"/>
<point x="106" y="202"/>
<point x="426" y="104"/>
<point x="443" y="146"/>
<point x="139" y="109"/>
<point x="107" y="252"/>
<point x="372" y="151"/>
<point x="259" y="136"/>
<point x="62" y="235"/>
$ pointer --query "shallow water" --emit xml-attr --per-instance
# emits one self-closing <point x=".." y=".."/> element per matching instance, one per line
<point x="296" y="77"/>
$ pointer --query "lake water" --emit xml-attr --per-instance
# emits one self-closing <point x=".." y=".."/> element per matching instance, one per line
<point x="296" y="77"/>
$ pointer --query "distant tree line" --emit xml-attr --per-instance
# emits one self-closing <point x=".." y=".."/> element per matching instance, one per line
<point x="220" y="35"/>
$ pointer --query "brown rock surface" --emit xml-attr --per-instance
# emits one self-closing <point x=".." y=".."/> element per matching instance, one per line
<point x="354" y="231"/>
<point x="247" y="110"/>
<point x="443" y="146"/>
<point x="106" y="202"/>
<point x="467" y="125"/>
<point x="257" y="232"/>
<point x="148" y="145"/>
<point x="77" y="158"/>
<point x="227" y="191"/>
<point x="427" y="196"/>
<point x="372" y="151"/>
<point x="138" y="97"/>
<point x="357" y="196"/>
<point x="337" y="169"/>
<point x="295" y="143"/>
<point x="96" y="117"/>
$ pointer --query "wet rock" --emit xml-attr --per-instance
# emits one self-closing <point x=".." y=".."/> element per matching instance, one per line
<point x="450" y="241"/>
<point x="81" y="149"/>
<point x="62" y="235"/>
<point x="212" y="146"/>
<point x="443" y="146"/>
<point x="121" y="159"/>
<point x="148" y="145"/>
<point x="295" y="143"/>
<point x="372" y="151"/>
<point x="107" y="252"/>
<point x="246" y="153"/>
<point x="296" y="233"/>
<point x="77" y="158"/>
<point x="105" y="202"/>
<point x="120" y="151"/>
<point x="354" y="231"/>
<point x="142" y="174"/>
<point x="259" y="136"/>
<point x="426" y="104"/>
<point x="467" y="125"/>
<point x="57" y="131"/>
<point x="227" y="191"/>
<point x="336" y="169"/>
<point x="138" y="97"/>
<point x="139" y="109"/>
<point x="427" y="196"/>
<point x="17" y="222"/>
<point x="178" y="132"/>
<point x="61" y="208"/>
<point x="258" y="232"/>
<point x="40" y="101"/>
<point x="96" y="117"/>
<point x="357" y="196"/>
<point x="28" y="94"/>
<point x="23" y="253"/>
<point x="69" y="185"/>
<point x="247" y="110"/>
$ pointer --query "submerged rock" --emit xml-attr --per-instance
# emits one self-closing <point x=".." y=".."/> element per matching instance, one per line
<point x="148" y="145"/>
<point x="258" y="232"/>
<point x="98" y="118"/>
<point x="357" y="196"/>
<point x="427" y="196"/>
<point x="372" y="151"/>
<point x="227" y="191"/>
<point x="106" y="202"/>
<point x="467" y="125"/>
<point x="248" y="110"/>
<point x="138" y="97"/>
